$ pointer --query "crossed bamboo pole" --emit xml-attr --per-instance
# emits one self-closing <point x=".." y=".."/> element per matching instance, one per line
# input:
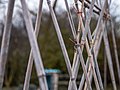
<point x="110" y="62"/>
<point x="57" y="28"/>
<point x="111" y="70"/>
<point x="30" y="62"/>
<point x="73" y="34"/>
<point x="89" y="34"/>
<point x="70" y="87"/>
<point x="33" y="43"/>
<point x="88" y="53"/>
<point x="91" y="68"/>
<point x="79" y="50"/>
<point x="63" y="48"/>
<point x="34" y="46"/>
<point x="94" y="39"/>
<point x="83" y="0"/>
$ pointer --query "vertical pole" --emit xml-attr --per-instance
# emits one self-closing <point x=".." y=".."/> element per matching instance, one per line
<point x="5" y="41"/>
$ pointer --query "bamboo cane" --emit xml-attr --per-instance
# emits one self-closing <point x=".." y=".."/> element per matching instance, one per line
<point x="97" y="44"/>
<point x="115" y="50"/>
<point x="105" y="70"/>
<point x="114" y="45"/>
<point x="78" y="57"/>
<point x="97" y="12"/>
<point x="74" y="66"/>
<point x="84" y="68"/>
<point x="65" y="54"/>
<point x="87" y="30"/>
<point x="5" y="41"/>
<point x="89" y="54"/>
<point x="96" y="66"/>
<point x="91" y="59"/>
<point x="1" y="26"/>
<point x="98" y="74"/>
<point x="94" y="74"/>
<point x="94" y="39"/>
<point x="34" y="46"/>
<point x="37" y="28"/>
<point x="109" y="59"/>
<point x="89" y="71"/>
<point x="30" y="62"/>
<point x="70" y="19"/>
<point x="93" y="70"/>
<point x="99" y="20"/>
<point x="75" y="59"/>
<point x="76" y="62"/>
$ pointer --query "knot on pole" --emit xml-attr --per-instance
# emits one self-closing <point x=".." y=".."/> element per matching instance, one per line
<point x="72" y="79"/>
<point x="107" y="16"/>
<point x="82" y="41"/>
<point x="41" y="76"/>
<point x="92" y="43"/>
<point x="77" y="45"/>
<point x="73" y="41"/>
<point x="79" y="12"/>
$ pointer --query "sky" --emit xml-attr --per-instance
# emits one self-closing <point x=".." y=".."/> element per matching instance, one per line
<point x="33" y="6"/>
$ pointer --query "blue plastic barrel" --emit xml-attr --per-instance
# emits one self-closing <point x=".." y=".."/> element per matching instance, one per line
<point x="49" y="76"/>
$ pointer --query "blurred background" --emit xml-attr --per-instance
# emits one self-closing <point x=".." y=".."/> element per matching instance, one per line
<point x="19" y="48"/>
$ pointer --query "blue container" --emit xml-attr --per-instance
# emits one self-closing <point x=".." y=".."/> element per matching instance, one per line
<point x="49" y="76"/>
